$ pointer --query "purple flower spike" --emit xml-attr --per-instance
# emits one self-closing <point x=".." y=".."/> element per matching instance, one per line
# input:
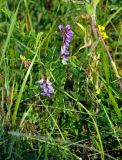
<point x="60" y="27"/>
<point x="46" y="86"/>
<point x="67" y="36"/>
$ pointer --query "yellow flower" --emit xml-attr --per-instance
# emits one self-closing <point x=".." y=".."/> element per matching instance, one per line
<point x="102" y="32"/>
<point x="101" y="28"/>
<point x="25" y="61"/>
<point x="22" y="58"/>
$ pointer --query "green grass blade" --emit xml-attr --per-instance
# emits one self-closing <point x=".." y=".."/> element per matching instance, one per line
<point x="26" y="77"/>
<point x="112" y="16"/>
<point x="112" y="126"/>
<point x="95" y="125"/>
<point x="13" y="21"/>
<point x="115" y="105"/>
<point x="111" y="97"/>
<point x="105" y="63"/>
<point x="27" y="10"/>
<point x="21" y="90"/>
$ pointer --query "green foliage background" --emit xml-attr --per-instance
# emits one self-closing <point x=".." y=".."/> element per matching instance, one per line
<point x="83" y="117"/>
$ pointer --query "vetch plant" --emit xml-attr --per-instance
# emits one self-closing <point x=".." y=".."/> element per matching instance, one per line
<point x="67" y="35"/>
<point x="80" y="116"/>
<point x="46" y="86"/>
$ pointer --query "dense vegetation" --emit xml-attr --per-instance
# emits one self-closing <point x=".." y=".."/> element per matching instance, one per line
<point x="54" y="110"/>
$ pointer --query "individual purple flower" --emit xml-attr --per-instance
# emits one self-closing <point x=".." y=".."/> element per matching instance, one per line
<point x="64" y="59"/>
<point x="46" y="86"/>
<point x="67" y="36"/>
<point x="60" y="27"/>
<point x="64" y="51"/>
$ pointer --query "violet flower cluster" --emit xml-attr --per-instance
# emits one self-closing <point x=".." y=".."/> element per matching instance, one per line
<point x="67" y="35"/>
<point x="46" y="86"/>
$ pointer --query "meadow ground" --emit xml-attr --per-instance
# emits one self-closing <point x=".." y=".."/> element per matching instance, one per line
<point x="60" y="79"/>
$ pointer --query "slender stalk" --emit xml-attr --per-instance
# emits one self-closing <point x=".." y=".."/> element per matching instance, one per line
<point x="108" y="53"/>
